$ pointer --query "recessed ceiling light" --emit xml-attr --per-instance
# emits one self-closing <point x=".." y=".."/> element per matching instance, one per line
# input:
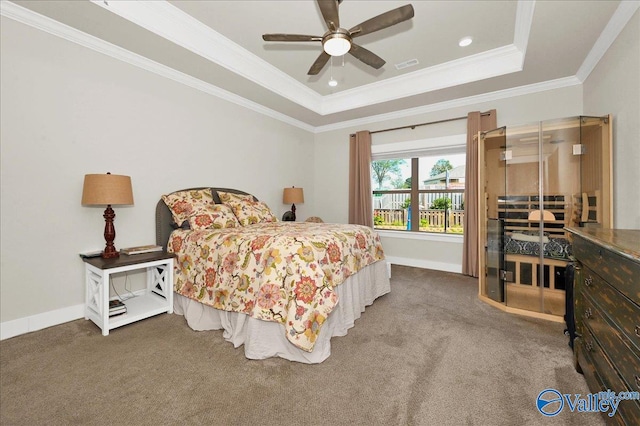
<point x="465" y="41"/>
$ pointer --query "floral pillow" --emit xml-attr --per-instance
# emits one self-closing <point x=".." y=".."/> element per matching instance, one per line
<point x="216" y="216"/>
<point x="184" y="204"/>
<point x="247" y="210"/>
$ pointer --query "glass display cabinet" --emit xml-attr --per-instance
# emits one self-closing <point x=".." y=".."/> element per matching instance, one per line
<point x="535" y="180"/>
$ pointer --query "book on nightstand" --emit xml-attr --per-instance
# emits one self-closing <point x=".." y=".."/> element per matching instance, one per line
<point x="116" y="307"/>
<point x="141" y="249"/>
<point x="117" y="314"/>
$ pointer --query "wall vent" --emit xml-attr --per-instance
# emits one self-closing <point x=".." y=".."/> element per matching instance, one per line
<point x="406" y="64"/>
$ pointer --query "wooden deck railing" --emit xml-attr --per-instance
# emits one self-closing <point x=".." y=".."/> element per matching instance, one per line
<point x="434" y="218"/>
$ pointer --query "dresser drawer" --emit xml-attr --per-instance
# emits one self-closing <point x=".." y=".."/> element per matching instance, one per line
<point x="621" y="312"/>
<point x="592" y="376"/>
<point x="621" y="272"/>
<point x="602" y="376"/>
<point x="611" y="341"/>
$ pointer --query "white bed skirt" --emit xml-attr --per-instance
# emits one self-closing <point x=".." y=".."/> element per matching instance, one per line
<point x="265" y="339"/>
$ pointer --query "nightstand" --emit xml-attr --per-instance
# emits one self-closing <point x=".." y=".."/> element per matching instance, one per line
<point x="155" y="299"/>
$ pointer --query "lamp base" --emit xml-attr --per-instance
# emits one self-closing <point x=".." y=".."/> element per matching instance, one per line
<point x="288" y="217"/>
<point x="109" y="251"/>
<point x="110" y="254"/>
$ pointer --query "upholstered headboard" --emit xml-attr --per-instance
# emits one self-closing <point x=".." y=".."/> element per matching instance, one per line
<point x="164" y="220"/>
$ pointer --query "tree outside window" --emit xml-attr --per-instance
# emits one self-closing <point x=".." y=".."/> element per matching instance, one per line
<point x="387" y="170"/>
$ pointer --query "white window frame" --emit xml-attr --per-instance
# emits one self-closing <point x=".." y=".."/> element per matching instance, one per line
<point x="420" y="148"/>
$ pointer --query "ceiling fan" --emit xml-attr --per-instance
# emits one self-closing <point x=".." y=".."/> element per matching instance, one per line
<point x="337" y="41"/>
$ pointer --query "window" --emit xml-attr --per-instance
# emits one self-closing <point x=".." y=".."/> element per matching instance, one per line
<point x="427" y="181"/>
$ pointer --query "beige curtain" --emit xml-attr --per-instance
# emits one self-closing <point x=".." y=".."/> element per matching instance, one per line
<point x="476" y="122"/>
<point x="360" y="208"/>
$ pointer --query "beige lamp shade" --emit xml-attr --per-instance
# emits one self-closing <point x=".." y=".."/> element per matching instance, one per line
<point x="293" y="196"/>
<point x="107" y="189"/>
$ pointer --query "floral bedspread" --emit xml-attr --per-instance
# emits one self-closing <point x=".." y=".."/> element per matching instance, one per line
<point x="283" y="271"/>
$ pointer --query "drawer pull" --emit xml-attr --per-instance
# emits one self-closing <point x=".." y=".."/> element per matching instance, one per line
<point x="588" y="314"/>
<point x="588" y="281"/>
<point x="588" y="346"/>
<point x="638" y="330"/>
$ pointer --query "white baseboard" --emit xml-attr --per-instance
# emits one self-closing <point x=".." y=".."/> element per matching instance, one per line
<point x="24" y="325"/>
<point x="426" y="264"/>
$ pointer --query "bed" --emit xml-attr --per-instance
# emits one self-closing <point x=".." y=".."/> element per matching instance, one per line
<point x="280" y="289"/>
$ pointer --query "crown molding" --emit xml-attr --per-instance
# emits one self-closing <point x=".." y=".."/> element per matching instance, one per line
<point x="171" y="23"/>
<point x="509" y="54"/>
<point x="614" y="27"/>
<point x="455" y="103"/>
<point x="524" y="20"/>
<point x="58" y="29"/>
<point x="500" y="61"/>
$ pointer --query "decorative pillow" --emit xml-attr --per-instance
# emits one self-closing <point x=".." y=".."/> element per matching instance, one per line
<point x="229" y="196"/>
<point x="216" y="216"/>
<point x="184" y="204"/>
<point x="247" y="210"/>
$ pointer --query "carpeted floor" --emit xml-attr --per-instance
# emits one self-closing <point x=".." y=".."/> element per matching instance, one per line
<point x="428" y="353"/>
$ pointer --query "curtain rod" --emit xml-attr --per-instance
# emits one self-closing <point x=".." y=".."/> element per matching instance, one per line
<point x="413" y="126"/>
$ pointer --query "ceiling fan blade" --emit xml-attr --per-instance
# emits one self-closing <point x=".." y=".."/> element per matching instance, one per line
<point x="290" y="37"/>
<point x="319" y="63"/>
<point x="366" y="56"/>
<point x="383" y="21"/>
<point x="329" y="9"/>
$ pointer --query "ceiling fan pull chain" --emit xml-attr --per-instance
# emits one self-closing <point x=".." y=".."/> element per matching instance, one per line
<point x="332" y="81"/>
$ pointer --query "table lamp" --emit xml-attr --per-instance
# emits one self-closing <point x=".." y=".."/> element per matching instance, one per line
<point x="107" y="190"/>
<point x="292" y="195"/>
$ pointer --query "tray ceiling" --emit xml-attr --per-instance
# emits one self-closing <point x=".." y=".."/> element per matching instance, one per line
<point x="216" y="46"/>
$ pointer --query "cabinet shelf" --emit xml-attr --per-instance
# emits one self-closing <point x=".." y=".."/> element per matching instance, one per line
<point x="142" y="306"/>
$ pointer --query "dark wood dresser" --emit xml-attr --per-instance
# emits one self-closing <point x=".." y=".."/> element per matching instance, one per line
<point x="607" y="314"/>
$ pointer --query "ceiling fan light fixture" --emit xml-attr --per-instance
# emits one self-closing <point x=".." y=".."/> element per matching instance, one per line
<point x="337" y="41"/>
<point x="336" y="44"/>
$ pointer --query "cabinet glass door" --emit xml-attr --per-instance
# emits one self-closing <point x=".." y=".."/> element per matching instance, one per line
<point x="594" y="152"/>
<point x="492" y="184"/>
<point x="560" y="182"/>
<point x="522" y="196"/>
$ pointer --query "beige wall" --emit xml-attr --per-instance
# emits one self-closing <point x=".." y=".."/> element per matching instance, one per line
<point x="67" y="111"/>
<point x="614" y="87"/>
